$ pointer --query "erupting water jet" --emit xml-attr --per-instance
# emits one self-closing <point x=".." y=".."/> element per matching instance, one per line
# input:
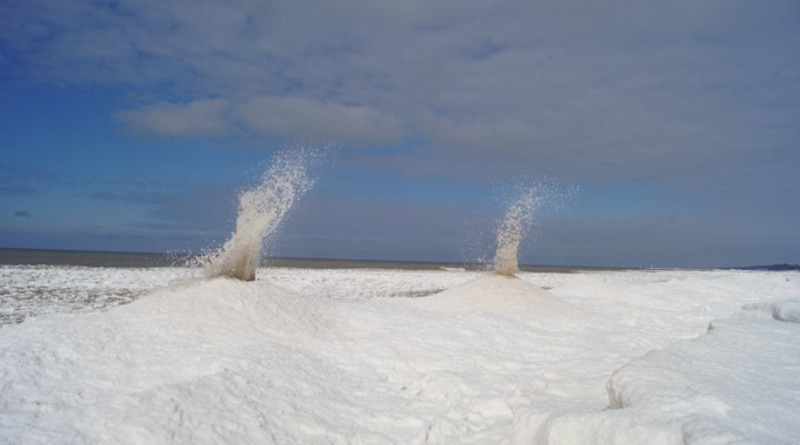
<point x="517" y="220"/>
<point x="261" y="211"/>
<point x="495" y="292"/>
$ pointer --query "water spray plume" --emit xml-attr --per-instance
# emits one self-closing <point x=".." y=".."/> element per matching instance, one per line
<point x="261" y="211"/>
<point x="517" y="220"/>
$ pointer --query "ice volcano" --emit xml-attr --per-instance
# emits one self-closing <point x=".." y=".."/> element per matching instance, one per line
<point x="507" y="296"/>
<point x="515" y="224"/>
<point x="501" y="291"/>
<point x="261" y="211"/>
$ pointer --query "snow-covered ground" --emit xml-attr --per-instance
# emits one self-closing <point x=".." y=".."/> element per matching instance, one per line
<point x="31" y="291"/>
<point x="406" y="357"/>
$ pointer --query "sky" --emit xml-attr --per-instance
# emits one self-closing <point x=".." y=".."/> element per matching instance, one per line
<point x="663" y="134"/>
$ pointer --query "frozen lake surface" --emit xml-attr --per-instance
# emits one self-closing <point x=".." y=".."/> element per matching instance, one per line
<point x="316" y="356"/>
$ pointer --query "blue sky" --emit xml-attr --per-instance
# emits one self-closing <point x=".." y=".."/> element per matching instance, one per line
<point x="668" y="132"/>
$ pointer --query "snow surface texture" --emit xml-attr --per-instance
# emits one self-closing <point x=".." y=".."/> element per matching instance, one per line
<point x="30" y="291"/>
<point x="345" y="356"/>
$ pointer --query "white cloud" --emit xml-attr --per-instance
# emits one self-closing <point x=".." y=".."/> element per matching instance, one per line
<point x="288" y="118"/>
<point x="194" y="119"/>
<point x="302" y="119"/>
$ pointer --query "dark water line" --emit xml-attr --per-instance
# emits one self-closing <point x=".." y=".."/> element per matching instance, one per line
<point x="42" y="257"/>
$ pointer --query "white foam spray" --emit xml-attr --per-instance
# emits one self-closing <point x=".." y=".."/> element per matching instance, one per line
<point x="261" y="211"/>
<point x="517" y="221"/>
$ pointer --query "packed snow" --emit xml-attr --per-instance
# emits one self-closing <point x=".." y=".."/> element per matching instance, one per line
<point x="399" y="357"/>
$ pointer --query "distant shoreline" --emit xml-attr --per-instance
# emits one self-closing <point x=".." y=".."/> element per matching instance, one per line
<point x="87" y="258"/>
<point x="91" y="258"/>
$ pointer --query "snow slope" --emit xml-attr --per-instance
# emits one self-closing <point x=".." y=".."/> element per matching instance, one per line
<point x="302" y="356"/>
<point x="738" y="383"/>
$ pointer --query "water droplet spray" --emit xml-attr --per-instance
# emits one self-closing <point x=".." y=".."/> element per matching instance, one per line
<point x="261" y="211"/>
<point x="517" y="221"/>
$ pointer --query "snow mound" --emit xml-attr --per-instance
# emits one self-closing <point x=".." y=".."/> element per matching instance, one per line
<point x="500" y="294"/>
<point x="781" y="310"/>
<point x="689" y="393"/>
<point x="156" y="370"/>
<point x="228" y="304"/>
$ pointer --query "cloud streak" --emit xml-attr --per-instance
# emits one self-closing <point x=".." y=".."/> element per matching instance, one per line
<point x="296" y="118"/>
<point x="195" y="119"/>
<point x="288" y="118"/>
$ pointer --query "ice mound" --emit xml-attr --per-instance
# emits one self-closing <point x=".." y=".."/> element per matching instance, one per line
<point x="179" y="330"/>
<point x="689" y="393"/>
<point x="157" y="370"/>
<point x="223" y="306"/>
<point x="500" y="294"/>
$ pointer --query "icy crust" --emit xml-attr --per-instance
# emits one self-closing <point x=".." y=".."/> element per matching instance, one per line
<point x="737" y="384"/>
<point x="31" y="291"/>
<point x="781" y="310"/>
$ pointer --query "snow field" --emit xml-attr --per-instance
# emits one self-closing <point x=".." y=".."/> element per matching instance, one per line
<point x="30" y="291"/>
<point x="354" y="356"/>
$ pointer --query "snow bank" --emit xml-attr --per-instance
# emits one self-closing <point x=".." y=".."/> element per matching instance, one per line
<point x="737" y="384"/>
<point x="157" y="370"/>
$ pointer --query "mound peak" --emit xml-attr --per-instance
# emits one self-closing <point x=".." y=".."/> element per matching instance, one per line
<point x="505" y="295"/>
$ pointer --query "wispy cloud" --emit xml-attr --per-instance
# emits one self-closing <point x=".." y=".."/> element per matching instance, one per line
<point x="296" y="118"/>
<point x="17" y="190"/>
<point x="24" y="181"/>
<point x="615" y="91"/>
<point x="288" y="118"/>
<point x="197" y="118"/>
